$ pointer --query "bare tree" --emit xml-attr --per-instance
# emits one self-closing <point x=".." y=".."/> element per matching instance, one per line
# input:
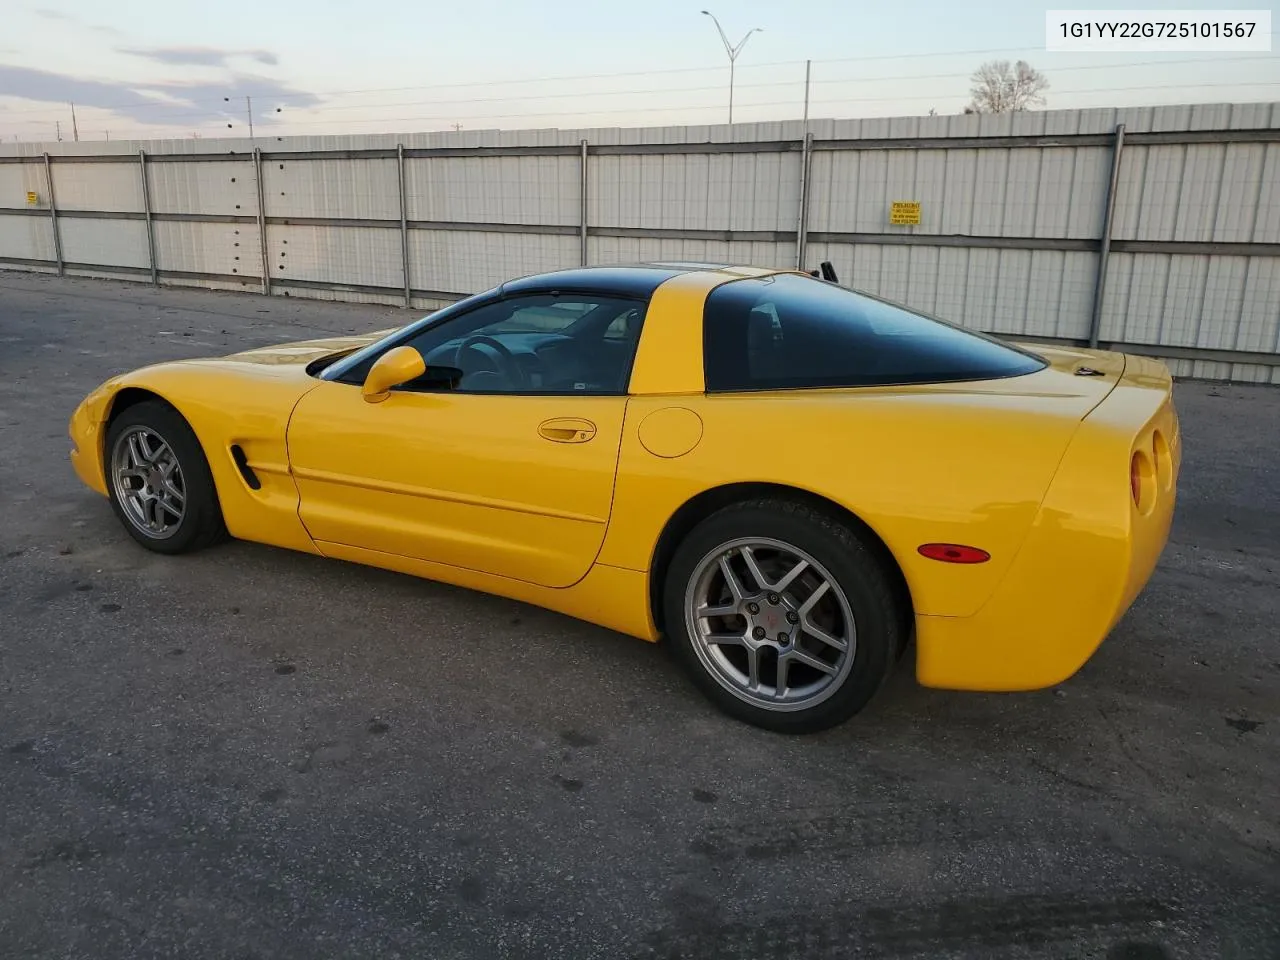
<point x="999" y="87"/>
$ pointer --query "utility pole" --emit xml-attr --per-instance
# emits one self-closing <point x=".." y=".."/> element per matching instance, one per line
<point x="57" y="124"/>
<point x="733" y="52"/>
<point x="75" y="129"/>
<point x="807" y="65"/>
<point x="248" y="109"/>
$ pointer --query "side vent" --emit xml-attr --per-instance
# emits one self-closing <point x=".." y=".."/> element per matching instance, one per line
<point x="246" y="471"/>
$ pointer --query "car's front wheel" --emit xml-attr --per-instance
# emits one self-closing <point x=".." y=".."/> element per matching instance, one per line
<point x="159" y="481"/>
<point x="782" y="615"/>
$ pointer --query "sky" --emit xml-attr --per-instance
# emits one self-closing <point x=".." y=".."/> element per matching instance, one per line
<point x="176" y="68"/>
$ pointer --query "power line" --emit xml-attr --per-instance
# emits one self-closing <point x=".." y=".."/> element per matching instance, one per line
<point x="716" y="106"/>
<point x="285" y="98"/>
<point x="473" y="100"/>
<point x="1055" y="70"/>
<point x="668" y="109"/>
<point x="164" y="119"/>
<point x="753" y="66"/>
<point x="1107" y="90"/>
<point x="282" y="98"/>
<point x="649" y="73"/>
<point x="718" y="87"/>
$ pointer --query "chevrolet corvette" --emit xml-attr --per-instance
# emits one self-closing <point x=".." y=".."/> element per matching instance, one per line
<point x="791" y="483"/>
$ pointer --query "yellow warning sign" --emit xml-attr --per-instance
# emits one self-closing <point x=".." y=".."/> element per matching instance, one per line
<point x="32" y="197"/>
<point x="905" y="212"/>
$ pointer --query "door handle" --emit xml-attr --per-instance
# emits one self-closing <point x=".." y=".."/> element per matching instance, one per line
<point x="567" y="430"/>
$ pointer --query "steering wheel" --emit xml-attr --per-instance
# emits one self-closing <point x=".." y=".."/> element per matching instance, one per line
<point x="506" y="359"/>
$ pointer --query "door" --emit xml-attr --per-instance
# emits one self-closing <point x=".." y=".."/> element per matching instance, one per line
<point x="511" y="472"/>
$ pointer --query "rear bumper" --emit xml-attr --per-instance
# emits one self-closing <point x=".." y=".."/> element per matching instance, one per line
<point x="1087" y="557"/>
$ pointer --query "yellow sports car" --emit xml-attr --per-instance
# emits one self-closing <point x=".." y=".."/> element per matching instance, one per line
<point x="784" y="478"/>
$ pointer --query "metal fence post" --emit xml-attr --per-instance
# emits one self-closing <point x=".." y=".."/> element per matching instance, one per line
<point x="802" y="221"/>
<point x="1104" y="248"/>
<point x="582" y="198"/>
<point x="262" y="221"/>
<point x="53" y="216"/>
<point x="146" y="212"/>
<point x="404" y="225"/>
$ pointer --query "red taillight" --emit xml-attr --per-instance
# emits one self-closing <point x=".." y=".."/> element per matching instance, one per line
<point x="953" y="553"/>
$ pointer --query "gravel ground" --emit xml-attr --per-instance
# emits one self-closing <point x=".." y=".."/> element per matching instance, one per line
<point x="250" y="753"/>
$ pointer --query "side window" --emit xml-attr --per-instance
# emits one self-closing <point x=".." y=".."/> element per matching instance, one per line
<point x="550" y="317"/>
<point x="536" y="344"/>
<point x="625" y="326"/>
<point x="792" y="332"/>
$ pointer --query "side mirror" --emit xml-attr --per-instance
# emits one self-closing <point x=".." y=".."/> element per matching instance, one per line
<point x="396" y="366"/>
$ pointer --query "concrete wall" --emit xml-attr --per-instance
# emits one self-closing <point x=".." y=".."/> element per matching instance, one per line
<point x="1013" y="210"/>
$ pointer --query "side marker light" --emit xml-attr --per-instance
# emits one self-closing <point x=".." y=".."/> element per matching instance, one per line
<point x="953" y="553"/>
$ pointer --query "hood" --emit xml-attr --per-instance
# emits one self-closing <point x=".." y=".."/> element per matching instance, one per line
<point x="303" y="352"/>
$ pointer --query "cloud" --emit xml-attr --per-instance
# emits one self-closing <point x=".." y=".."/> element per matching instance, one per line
<point x="185" y="101"/>
<point x="68" y="18"/>
<point x="200" y="56"/>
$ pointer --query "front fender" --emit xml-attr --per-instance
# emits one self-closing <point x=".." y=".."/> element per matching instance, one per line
<point x="86" y="429"/>
<point x="226" y="404"/>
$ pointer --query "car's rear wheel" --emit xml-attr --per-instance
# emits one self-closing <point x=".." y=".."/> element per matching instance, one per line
<point x="782" y="615"/>
<point x="159" y="481"/>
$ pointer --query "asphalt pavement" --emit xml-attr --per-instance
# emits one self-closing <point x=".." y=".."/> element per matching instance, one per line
<point x="250" y="753"/>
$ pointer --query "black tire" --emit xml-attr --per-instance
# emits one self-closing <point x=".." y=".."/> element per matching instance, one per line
<point x="854" y="566"/>
<point x="201" y="524"/>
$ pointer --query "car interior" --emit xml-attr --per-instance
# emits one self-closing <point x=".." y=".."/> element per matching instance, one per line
<point x="541" y="345"/>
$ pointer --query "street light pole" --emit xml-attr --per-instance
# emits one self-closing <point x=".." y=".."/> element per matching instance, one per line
<point x="732" y="51"/>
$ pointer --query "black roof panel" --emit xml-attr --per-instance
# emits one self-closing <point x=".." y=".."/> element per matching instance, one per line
<point x="689" y="265"/>
<point x="639" y="280"/>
